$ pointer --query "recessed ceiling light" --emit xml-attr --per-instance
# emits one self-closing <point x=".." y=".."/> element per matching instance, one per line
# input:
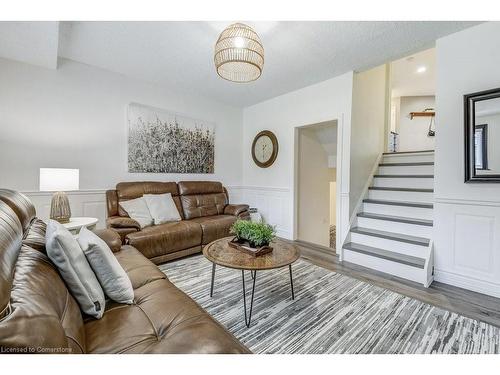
<point x="421" y="69"/>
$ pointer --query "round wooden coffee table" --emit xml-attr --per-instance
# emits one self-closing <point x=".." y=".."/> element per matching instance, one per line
<point x="220" y="253"/>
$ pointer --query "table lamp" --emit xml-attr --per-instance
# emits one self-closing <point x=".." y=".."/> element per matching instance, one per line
<point x="59" y="180"/>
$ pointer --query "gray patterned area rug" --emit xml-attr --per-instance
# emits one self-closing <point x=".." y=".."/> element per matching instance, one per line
<point x="331" y="313"/>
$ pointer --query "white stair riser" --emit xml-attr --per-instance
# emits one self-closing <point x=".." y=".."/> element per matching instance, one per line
<point x="416" y="183"/>
<point x="404" y="211"/>
<point x="408" y="158"/>
<point x="396" y="227"/>
<point x="401" y="196"/>
<point x="391" y="245"/>
<point x="407" y="169"/>
<point x="397" y="269"/>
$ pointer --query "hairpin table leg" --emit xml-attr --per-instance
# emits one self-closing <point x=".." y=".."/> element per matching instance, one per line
<point x="248" y="317"/>
<point x="212" y="283"/>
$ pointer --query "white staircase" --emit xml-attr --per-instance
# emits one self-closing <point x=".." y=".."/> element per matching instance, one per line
<point x="392" y="232"/>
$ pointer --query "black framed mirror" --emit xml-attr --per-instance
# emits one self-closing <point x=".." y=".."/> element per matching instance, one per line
<point x="482" y="136"/>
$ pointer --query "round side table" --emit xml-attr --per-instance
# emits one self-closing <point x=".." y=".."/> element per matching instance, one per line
<point x="77" y="223"/>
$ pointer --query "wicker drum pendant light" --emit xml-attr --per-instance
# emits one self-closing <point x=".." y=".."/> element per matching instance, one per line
<point x="239" y="55"/>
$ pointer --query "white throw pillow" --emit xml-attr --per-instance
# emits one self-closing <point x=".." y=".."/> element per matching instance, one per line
<point x="138" y="210"/>
<point x="162" y="208"/>
<point x="65" y="252"/>
<point x="114" y="281"/>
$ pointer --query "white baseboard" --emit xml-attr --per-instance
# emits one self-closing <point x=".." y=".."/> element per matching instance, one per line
<point x="476" y="285"/>
<point x="284" y="234"/>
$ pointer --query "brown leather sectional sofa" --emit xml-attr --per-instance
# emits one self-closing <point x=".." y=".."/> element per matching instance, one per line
<point x="39" y="315"/>
<point x="203" y="206"/>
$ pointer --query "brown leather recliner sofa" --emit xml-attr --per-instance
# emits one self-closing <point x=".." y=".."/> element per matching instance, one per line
<point x="203" y="206"/>
<point x="39" y="315"/>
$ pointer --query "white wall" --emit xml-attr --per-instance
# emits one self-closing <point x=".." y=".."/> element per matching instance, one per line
<point x="413" y="133"/>
<point x="367" y="128"/>
<point x="75" y="117"/>
<point x="467" y="216"/>
<point x="314" y="178"/>
<point x="272" y="189"/>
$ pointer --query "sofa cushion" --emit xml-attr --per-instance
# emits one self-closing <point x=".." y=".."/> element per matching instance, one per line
<point x="110" y="237"/>
<point x="122" y="222"/>
<point x="10" y="245"/>
<point x="21" y="205"/>
<point x="35" y="236"/>
<point x="200" y="187"/>
<point x="202" y="198"/>
<point x="162" y="320"/>
<point x="43" y="314"/>
<point x="203" y="205"/>
<point x="166" y="238"/>
<point x="215" y="227"/>
<point x="236" y="209"/>
<point x="139" y="269"/>
<point x="36" y="309"/>
<point x="162" y="208"/>
<point x="138" y="210"/>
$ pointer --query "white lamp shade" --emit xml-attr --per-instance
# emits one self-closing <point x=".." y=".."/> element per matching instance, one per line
<point x="59" y="179"/>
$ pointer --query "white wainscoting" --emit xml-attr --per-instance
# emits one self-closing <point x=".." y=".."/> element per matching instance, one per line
<point x="273" y="203"/>
<point x="90" y="203"/>
<point x="467" y="244"/>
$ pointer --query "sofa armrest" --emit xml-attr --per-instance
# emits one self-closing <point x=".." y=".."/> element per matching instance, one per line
<point x="240" y="210"/>
<point x="122" y="222"/>
<point x="111" y="238"/>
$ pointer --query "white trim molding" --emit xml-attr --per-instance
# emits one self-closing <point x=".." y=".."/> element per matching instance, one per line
<point x="273" y="203"/>
<point x="89" y="203"/>
<point x="469" y="202"/>
<point x="76" y="192"/>
<point x="467" y="245"/>
<point x="466" y="282"/>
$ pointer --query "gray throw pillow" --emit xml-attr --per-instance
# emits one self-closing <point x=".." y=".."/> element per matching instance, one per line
<point x="138" y="210"/>
<point x="162" y="208"/>
<point x="114" y="281"/>
<point x="67" y="255"/>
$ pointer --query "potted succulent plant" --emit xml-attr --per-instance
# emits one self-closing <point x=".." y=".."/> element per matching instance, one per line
<point x="256" y="234"/>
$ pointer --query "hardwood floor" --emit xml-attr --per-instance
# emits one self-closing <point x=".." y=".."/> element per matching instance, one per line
<point x="467" y="303"/>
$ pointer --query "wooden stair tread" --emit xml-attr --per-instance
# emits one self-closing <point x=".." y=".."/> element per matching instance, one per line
<point x="418" y="190"/>
<point x="408" y="152"/>
<point x="404" y="176"/>
<point x="406" y="164"/>
<point x="399" y="203"/>
<point x="414" y="240"/>
<point x="399" y="219"/>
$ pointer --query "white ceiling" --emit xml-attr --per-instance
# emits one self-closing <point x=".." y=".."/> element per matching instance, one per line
<point x="407" y="81"/>
<point x="30" y="42"/>
<point x="326" y="133"/>
<point x="179" y="55"/>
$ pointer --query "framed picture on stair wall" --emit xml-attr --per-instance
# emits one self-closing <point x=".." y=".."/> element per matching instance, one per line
<point x="160" y="141"/>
